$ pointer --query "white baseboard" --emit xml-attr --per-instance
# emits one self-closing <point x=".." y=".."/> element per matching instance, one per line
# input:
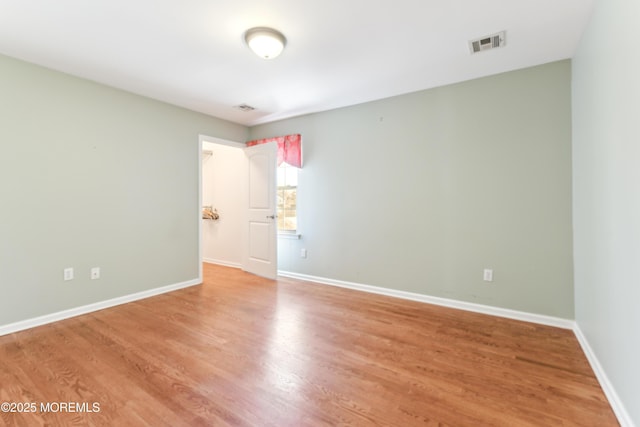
<point x="614" y="400"/>
<point x="467" y="306"/>
<point x="77" y="311"/>
<point x="223" y="263"/>
<point x="621" y="413"/>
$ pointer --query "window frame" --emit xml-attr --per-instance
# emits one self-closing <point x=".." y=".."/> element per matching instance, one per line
<point x="283" y="170"/>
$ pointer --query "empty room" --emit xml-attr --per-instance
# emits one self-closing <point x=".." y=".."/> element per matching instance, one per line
<point x="305" y="213"/>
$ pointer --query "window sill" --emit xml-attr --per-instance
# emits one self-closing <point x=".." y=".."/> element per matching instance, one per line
<point x="292" y="236"/>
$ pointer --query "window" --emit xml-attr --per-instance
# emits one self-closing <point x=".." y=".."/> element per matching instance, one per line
<point x="287" y="197"/>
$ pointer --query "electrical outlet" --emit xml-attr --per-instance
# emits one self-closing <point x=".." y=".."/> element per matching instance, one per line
<point x="303" y="253"/>
<point x="95" y="273"/>
<point x="488" y="275"/>
<point x="68" y="273"/>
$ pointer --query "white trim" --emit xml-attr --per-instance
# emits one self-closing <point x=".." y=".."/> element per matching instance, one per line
<point x="291" y="236"/>
<point x="467" y="306"/>
<point x="223" y="263"/>
<point x="199" y="210"/>
<point x="616" y="404"/>
<point x="218" y="141"/>
<point x="614" y="400"/>
<point x="77" y="311"/>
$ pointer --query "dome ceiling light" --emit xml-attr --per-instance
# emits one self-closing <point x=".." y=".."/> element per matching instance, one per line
<point x="265" y="42"/>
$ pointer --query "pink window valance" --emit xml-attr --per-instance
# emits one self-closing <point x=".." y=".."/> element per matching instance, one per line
<point x="289" y="148"/>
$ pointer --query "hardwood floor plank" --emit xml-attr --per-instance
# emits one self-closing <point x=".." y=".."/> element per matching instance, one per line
<point x="245" y="351"/>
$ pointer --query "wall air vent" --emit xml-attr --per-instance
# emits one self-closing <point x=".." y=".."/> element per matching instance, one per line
<point x="488" y="42"/>
<point x="244" y="107"/>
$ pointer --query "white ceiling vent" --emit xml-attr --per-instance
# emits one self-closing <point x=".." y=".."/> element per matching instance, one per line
<point x="488" y="42"/>
<point x="244" y="107"/>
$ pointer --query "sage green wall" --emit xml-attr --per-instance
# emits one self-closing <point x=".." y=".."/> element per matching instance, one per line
<point x="93" y="176"/>
<point x="420" y="192"/>
<point x="606" y="156"/>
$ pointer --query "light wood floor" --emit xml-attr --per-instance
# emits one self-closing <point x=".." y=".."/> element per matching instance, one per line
<point x="245" y="351"/>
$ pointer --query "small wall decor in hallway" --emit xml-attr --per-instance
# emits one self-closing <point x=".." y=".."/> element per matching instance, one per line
<point x="208" y="212"/>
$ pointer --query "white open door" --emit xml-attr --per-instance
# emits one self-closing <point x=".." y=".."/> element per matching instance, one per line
<point x="261" y="251"/>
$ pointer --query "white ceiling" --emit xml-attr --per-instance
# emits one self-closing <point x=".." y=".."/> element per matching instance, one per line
<point x="340" y="52"/>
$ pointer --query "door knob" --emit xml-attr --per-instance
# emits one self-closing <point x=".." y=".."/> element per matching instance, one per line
<point x="271" y="216"/>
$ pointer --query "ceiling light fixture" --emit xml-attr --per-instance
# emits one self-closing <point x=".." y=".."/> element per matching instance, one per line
<point x="265" y="42"/>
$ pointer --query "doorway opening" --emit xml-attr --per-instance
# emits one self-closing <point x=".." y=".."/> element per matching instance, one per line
<point x="227" y="176"/>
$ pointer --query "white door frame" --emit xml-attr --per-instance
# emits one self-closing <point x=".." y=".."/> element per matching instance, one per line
<point x="202" y="139"/>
